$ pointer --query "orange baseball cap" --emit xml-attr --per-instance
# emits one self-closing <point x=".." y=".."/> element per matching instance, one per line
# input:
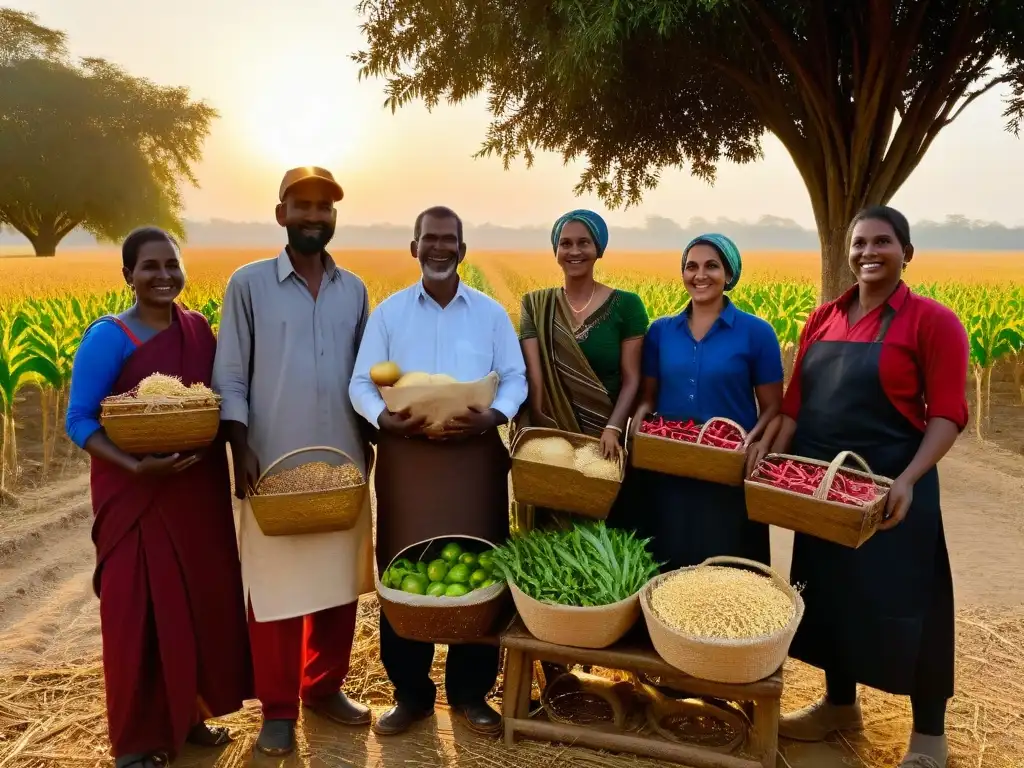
<point x="305" y="173"/>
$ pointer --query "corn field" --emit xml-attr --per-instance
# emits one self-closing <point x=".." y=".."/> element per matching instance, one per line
<point x="39" y="336"/>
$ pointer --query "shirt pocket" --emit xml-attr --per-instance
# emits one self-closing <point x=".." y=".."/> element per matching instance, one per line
<point x="473" y="360"/>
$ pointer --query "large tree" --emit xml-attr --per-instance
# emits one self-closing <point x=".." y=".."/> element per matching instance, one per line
<point x="84" y="144"/>
<point x="856" y="90"/>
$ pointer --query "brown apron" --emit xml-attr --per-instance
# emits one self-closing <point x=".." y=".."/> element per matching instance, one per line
<point x="432" y="488"/>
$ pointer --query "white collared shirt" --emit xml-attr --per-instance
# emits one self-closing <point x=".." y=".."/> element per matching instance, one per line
<point x="466" y="340"/>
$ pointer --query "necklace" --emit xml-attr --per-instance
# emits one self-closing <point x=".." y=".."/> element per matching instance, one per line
<point x="580" y="311"/>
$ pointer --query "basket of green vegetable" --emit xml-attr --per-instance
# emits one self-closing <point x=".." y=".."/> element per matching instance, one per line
<point x="443" y="590"/>
<point x="577" y="587"/>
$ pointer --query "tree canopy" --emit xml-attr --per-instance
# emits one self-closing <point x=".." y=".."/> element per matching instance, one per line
<point x="87" y="145"/>
<point x="856" y="90"/>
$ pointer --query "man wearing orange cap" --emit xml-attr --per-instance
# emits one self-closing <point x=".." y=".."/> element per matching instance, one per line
<point x="289" y="332"/>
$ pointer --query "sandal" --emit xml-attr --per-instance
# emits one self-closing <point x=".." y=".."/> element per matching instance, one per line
<point x="204" y="736"/>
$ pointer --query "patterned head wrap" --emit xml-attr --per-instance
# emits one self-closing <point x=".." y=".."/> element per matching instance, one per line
<point x="594" y="224"/>
<point x="726" y="249"/>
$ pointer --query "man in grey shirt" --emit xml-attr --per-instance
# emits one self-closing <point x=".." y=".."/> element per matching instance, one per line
<point x="289" y="332"/>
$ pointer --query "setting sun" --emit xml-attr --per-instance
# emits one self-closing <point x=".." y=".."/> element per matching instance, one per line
<point x="298" y="118"/>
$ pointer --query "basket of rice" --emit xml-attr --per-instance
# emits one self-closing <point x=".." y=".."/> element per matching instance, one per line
<point x="564" y="471"/>
<point x="310" y="497"/>
<point x="443" y="590"/>
<point x="577" y="587"/>
<point x="728" y="620"/>
<point x="161" y="416"/>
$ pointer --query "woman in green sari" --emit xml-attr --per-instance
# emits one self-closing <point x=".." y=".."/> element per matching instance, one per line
<point x="582" y="342"/>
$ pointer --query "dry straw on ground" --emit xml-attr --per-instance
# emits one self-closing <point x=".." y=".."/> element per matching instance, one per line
<point x="51" y="718"/>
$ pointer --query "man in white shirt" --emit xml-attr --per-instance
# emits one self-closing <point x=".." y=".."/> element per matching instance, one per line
<point x="452" y="484"/>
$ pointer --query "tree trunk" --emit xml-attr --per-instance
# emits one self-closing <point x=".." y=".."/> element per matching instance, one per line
<point x="836" y="276"/>
<point x="45" y="243"/>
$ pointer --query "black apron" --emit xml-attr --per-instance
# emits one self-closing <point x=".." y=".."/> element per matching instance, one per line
<point x="881" y="615"/>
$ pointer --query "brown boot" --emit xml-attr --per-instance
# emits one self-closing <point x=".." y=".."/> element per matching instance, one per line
<point x="480" y="717"/>
<point x="340" y="709"/>
<point x="399" y="719"/>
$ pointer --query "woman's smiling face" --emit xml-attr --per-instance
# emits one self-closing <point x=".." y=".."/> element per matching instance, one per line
<point x="704" y="274"/>
<point x="577" y="252"/>
<point x="158" y="277"/>
<point x="876" y="255"/>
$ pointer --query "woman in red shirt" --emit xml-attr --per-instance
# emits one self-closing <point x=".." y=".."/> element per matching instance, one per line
<point x="880" y="371"/>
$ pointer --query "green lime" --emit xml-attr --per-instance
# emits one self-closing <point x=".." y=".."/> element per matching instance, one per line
<point x="414" y="584"/>
<point x="486" y="561"/>
<point x="391" y="579"/>
<point x="478" y="577"/>
<point x="437" y="570"/>
<point x="467" y="558"/>
<point x="487" y="583"/>
<point x="403" y="564"/>
<point x="451" y="552"/>
<point x="458" y="574"/>
<point x="437" y="589"/>
<point x="421" y="567"/>
<point x="456" y="590"/>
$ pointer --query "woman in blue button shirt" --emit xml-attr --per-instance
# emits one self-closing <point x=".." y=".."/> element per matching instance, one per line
<point x="711" y="359"/>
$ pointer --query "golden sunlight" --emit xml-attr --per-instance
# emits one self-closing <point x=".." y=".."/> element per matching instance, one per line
<point x="299" y="118"/>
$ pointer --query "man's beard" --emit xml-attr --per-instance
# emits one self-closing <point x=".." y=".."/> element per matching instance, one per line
<point x="308" y="245"/>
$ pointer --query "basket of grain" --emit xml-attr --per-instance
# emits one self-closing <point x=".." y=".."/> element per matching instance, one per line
<point x="564" y="471"/>
<point x="161" y="416"/>
<point x="312" y="497"/>
<point x="819" y="498"/>
<point x="468" y="607"/>
<point x="710" y="451"/>
<point x="727" y="620"/>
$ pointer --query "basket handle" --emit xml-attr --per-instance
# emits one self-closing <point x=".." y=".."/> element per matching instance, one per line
<point x="518" y="438"/>
<point x="709" y="422"/>
<point x="821" y="493"/>
<point x="297" y="451"/>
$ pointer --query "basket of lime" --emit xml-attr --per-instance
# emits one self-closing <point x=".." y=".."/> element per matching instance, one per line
<point x="444" y="590"/>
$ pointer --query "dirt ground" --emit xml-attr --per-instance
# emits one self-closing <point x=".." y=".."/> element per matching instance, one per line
<point x="51" y="686"/>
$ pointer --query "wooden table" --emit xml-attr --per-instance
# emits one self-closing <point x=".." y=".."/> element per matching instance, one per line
<point x="634" y="654"/>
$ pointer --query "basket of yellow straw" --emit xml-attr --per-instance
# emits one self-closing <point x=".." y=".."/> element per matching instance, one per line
<point x="728" y="620"/>
<point x="312" y="497"/>
<point x="161" y="415"/>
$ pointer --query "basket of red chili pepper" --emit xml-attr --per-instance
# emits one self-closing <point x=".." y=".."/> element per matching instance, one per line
<point x="710" y="451"/>
<point x="818" y="498"/>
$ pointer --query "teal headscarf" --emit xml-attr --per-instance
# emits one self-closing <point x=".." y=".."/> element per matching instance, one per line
<point x="593" y="222"/>
<point x="726" y="249"/>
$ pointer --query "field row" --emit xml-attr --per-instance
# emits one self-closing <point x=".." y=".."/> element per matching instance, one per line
<point x="39" y="336"/>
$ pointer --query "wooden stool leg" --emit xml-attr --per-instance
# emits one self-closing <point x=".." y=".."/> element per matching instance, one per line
<point x="765" y="733"/>
<point x="510" y="691"/>
<point x="525" y="687"/>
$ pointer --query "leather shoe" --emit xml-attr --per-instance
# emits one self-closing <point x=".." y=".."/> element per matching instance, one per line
<point x="277" y="738"/>
<point x="480" y="717"/>
<point x="399" y="719"/>
<point x="340" y="709"/>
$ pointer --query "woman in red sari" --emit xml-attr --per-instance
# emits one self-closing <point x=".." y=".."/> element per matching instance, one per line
<point x="175" y="645"/>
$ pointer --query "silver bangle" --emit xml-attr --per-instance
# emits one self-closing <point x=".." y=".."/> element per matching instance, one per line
<point x="617" y="429"/>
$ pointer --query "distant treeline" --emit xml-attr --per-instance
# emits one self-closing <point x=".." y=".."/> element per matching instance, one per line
<point x="768" y="233"/>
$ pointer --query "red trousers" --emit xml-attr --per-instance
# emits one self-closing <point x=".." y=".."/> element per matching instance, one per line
<point x="305" y="657"/>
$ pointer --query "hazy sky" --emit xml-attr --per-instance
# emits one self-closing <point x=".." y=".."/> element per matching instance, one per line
<point x="279" y="73"/>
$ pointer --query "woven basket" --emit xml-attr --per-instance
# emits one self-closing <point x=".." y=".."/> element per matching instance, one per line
<point x="726" y="660"/>
<point x="443" y="620"/>
<point x="833" y="521"/>
<point x="561" y="488"/>
<point x="138" y="429"/>
<point x="683" y="459"/>
<point x="291" y="514"/>
<point x="576" y="626"/>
